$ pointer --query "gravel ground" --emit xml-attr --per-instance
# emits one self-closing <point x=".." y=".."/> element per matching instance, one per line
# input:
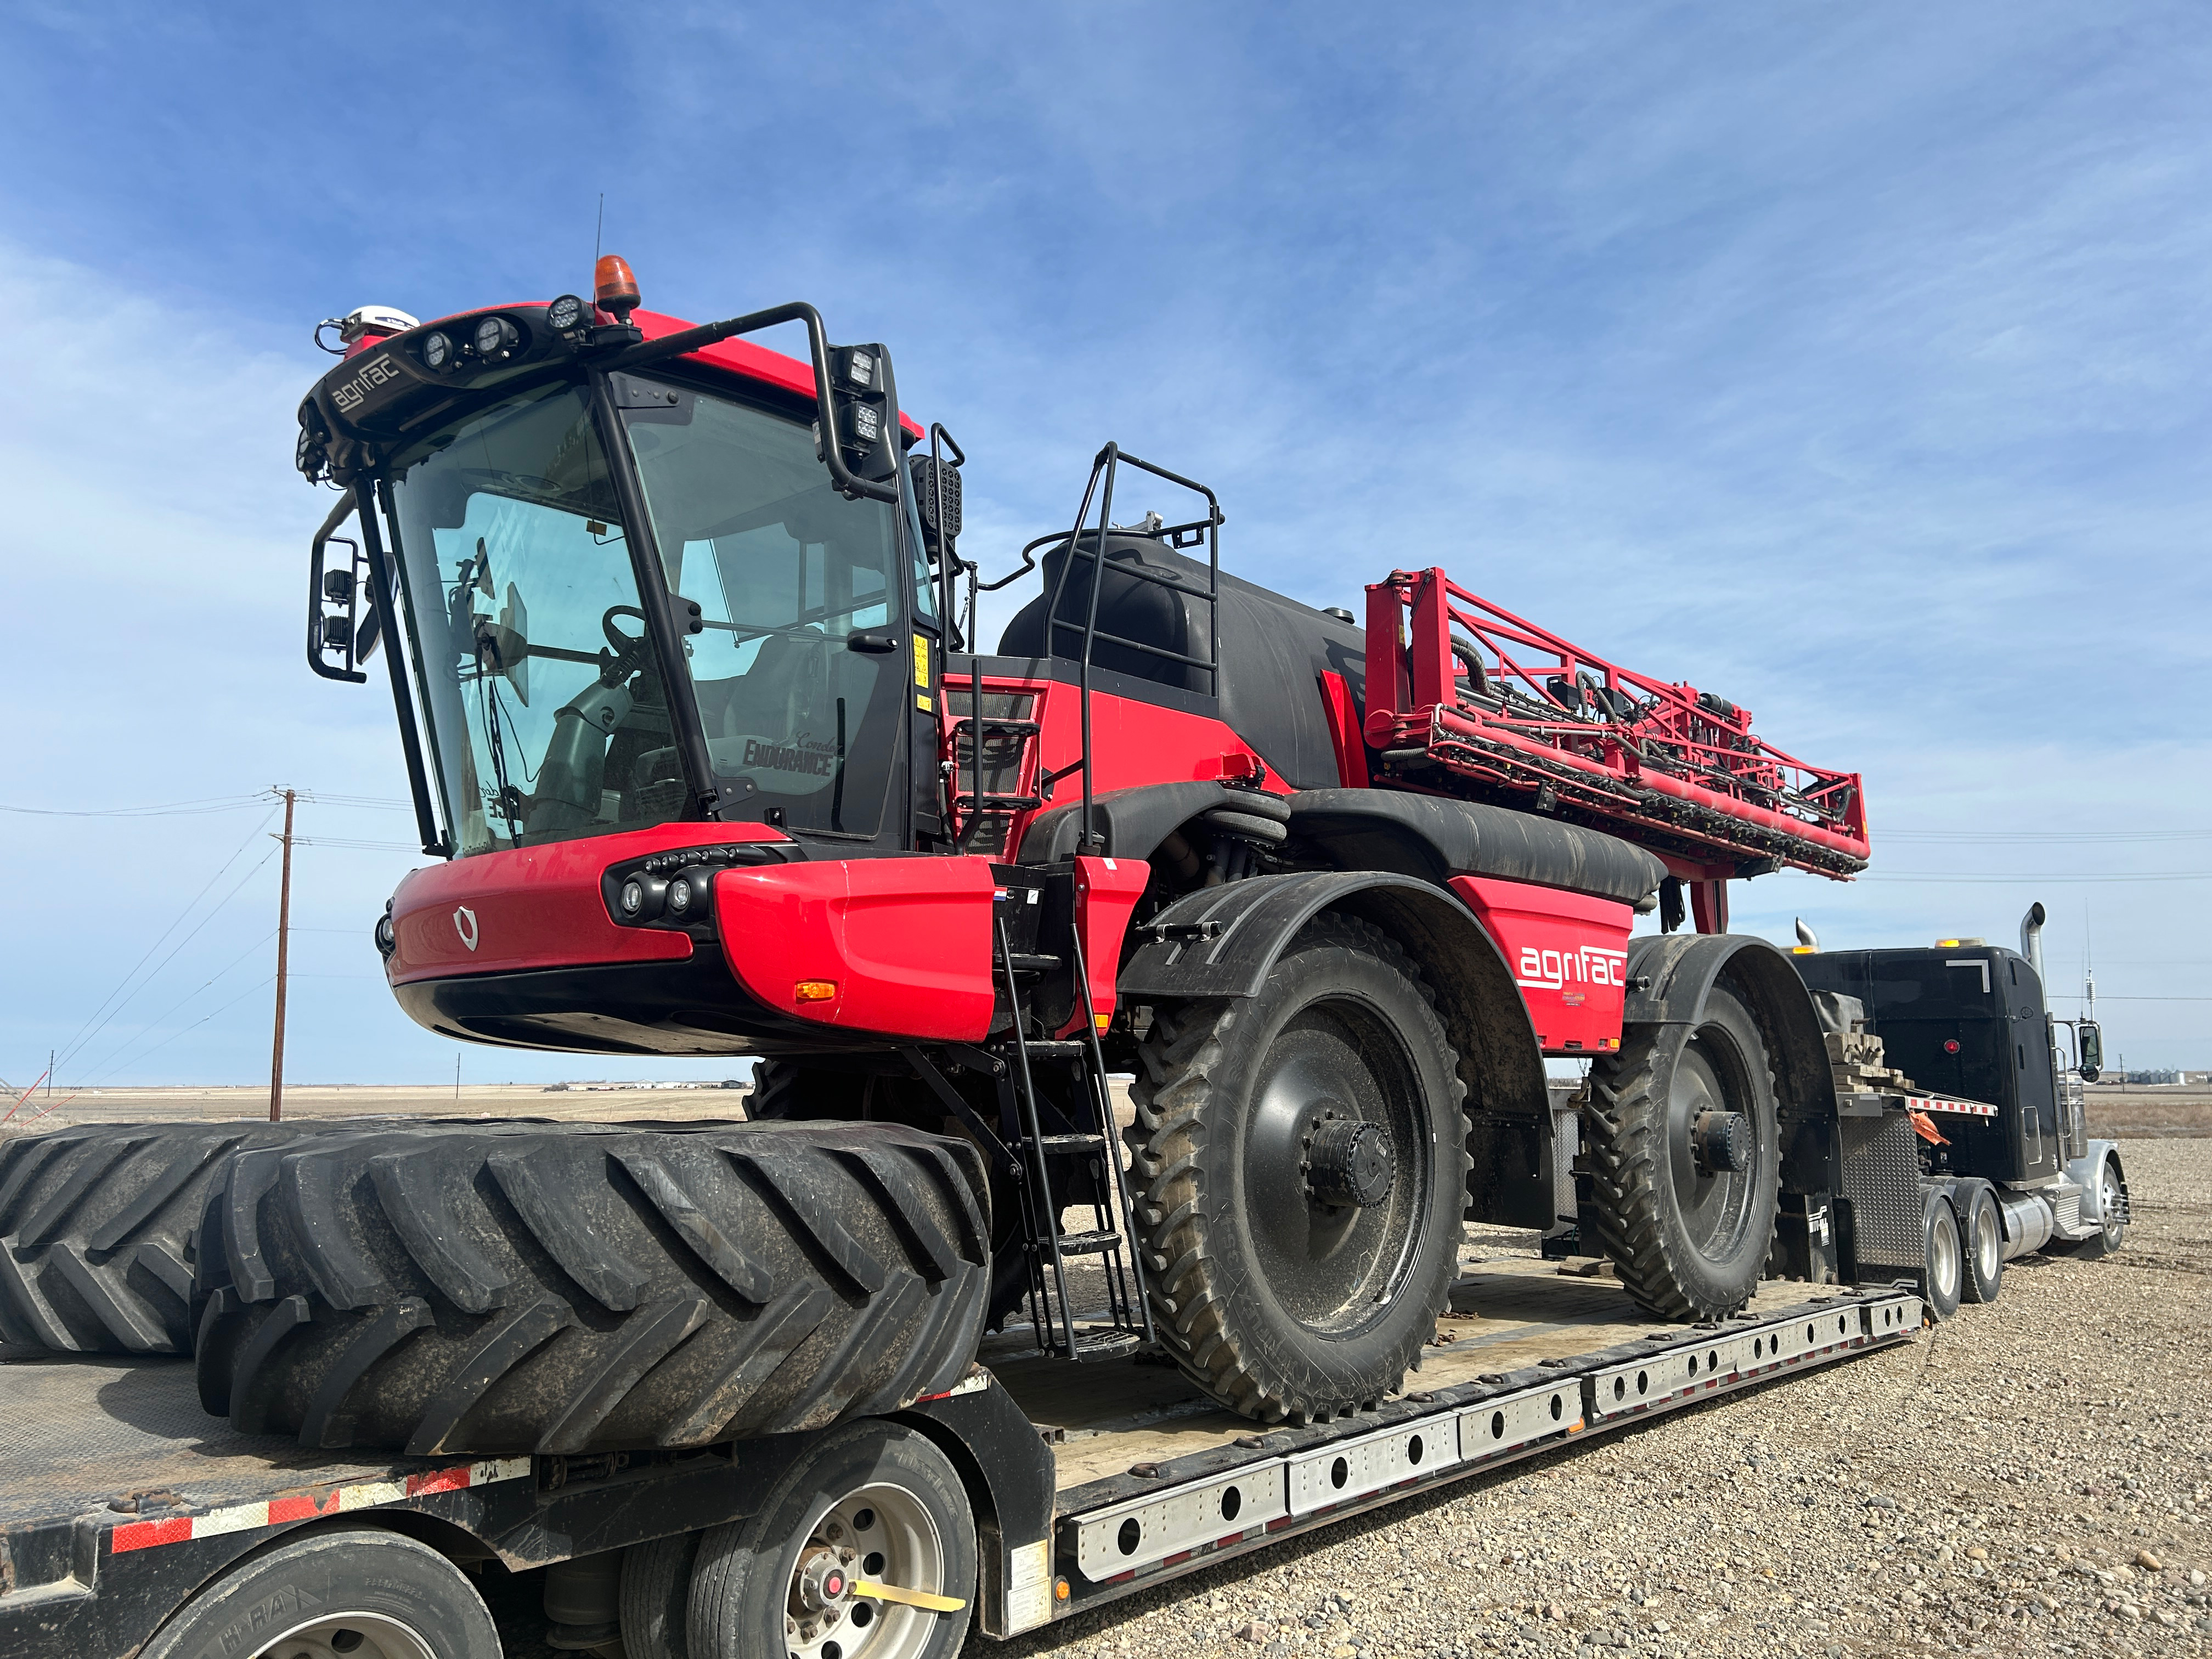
<point x="2034" y="1478"/>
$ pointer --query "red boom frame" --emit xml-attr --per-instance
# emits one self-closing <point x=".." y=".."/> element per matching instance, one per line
<point x="1513" y="706"/>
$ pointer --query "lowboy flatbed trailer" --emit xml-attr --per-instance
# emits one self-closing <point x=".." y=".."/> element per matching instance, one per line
<point x="125" y="1511"/>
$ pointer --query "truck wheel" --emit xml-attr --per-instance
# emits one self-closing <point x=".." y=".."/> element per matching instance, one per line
<point x="2112" y="1206"/>
<point x="347" y="1592"/>
<point x="438" y="1289"/>
<point x="1942" y="1264"/>
<point x="1301" y="1171"/>
<point x="95" y="1229"/>
<point x="868" y="1504"/>
<point x="1686" y="1150"/>
<point x="1984" y="1248"/>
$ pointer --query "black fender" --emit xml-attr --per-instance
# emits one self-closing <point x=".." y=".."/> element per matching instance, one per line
<point x="1134" y="820"/>
<point x="1223" y="942"/>
<point x="1437" y="838"/>
<point x="1669" y="977"/>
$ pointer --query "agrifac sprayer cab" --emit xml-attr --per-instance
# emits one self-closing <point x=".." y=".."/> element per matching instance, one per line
<point x="668" y="622"/>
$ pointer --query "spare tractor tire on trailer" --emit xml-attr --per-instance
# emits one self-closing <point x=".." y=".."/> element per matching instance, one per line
<point x="793" y="1091"/>
<point x="96" y="1226"/>
<point x="1301" y="1172"/>
<point x="441" y="1290"/>
<point x="1684" y="1148"/>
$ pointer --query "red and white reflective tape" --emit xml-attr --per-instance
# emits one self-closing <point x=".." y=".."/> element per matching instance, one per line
<point x="1939" y="1103"/>
<point x="304" y="1506"/>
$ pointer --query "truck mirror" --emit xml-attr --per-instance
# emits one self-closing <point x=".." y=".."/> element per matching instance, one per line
<point x="2092" y="1044"/>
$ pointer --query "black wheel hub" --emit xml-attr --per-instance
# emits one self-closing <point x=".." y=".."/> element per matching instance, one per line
<point x="1350" y="1164"/>
<point x="1722" y="1141"/>
<point x="1331" y="1223"/>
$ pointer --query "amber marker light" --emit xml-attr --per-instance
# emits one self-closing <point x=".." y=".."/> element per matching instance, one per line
<point x="614" y="286"/>
<point x="814" y="990"/>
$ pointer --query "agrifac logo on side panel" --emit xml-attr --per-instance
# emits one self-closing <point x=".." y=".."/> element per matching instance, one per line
<point x="464" y="924"/>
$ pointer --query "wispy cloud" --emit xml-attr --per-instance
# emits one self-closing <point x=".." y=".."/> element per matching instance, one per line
<point x="1848" y="361"/>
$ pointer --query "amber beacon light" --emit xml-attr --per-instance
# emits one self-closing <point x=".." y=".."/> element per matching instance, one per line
<point x="614" y="286"/>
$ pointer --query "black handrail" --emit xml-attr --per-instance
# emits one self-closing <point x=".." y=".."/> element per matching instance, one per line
<point x="1108" y="463"/>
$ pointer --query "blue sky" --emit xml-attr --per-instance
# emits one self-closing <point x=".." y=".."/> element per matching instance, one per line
<point x="1847" y="361"/>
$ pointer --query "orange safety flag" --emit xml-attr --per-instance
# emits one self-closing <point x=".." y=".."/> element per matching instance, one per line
<point x="1924" y="1126"/>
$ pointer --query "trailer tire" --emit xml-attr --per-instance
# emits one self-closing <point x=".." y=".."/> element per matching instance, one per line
<point x="883" y="1484"/>
<point x="96" y="1231"/>
<point x="1983" y="1238"/>
<point x="1942" y="1260"/>
<point x="295" y="1595"/>
<point x="439" y="1290"/>
<point x="1280" y="1304"/>
<point x="656" y="1596"/>
<point x="1686" y="1242"/>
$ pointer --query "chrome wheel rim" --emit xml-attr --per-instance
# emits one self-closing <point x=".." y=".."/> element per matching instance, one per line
<point x="1989" y="1243"/>
<point x="348" y="1636"/>
<point x="880" y="1535"/>
<point x="2110" y="1204"/>
<point x="1943" y="1261"/>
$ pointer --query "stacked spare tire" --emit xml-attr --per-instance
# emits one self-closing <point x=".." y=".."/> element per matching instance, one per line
<point x="443" y="1287"/>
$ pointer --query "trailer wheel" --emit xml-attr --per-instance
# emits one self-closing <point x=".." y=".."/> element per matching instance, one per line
<point x="870" y="1505"/>
<point x="1984" y="1248"/>
<point x="1943" y="1265"/>
<point x="1302" y="1165"/>
<point x="347" y="1592"/>
<point x="656" y="1596"/>
<point x="1686" y="1147"/>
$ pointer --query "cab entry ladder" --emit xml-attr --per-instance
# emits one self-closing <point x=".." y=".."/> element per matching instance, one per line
<point x="1053" y="1143"/>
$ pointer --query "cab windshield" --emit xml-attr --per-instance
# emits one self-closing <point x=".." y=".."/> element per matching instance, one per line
<point x="548" y="716"/>
<point x="803" y="659"/>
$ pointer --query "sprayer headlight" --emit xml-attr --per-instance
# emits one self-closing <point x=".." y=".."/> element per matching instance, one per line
<point x="564" y="313"/>
<point x="438" y="351"/>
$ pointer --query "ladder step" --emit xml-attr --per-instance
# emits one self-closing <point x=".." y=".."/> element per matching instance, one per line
<point x="1105" y="1345"/>
<point x="1010" y="728"/>
<point x="1089" y="1244"/>
<point x="1068" y="1143"/>
<point x="1070" y="1050"/>
<point x="1030" y="962"/>
<point x="999" y="803"/>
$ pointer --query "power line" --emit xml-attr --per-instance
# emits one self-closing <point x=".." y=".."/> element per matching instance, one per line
<point x="75" y="1041"/>
<point x="173" y="949"/>
<point x="124" y="1055"/>
<point x="210" y="804"/>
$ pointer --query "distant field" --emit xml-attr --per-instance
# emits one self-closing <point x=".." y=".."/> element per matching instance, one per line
<point x="2116" y="1114"/>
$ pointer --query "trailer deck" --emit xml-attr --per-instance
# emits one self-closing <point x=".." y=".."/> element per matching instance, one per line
<point x="118" y="1494"/>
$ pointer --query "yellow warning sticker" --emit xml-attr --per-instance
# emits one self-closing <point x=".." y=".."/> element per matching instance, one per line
<point x="921" y="660"/>
<point x="924" y="704"/>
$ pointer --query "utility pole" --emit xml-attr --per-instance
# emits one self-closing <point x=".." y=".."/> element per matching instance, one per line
<point x="283" y="942"/>
<point x="49" y="1074"/>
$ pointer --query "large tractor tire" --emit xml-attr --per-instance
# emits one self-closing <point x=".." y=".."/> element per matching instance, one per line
<point x="791" y="1092"/>
<point x="1685" y="1149"/>
<point x="1301" y="1165"/>
<point x="441" y="1290"/>
<point x="96" y="1225"/>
